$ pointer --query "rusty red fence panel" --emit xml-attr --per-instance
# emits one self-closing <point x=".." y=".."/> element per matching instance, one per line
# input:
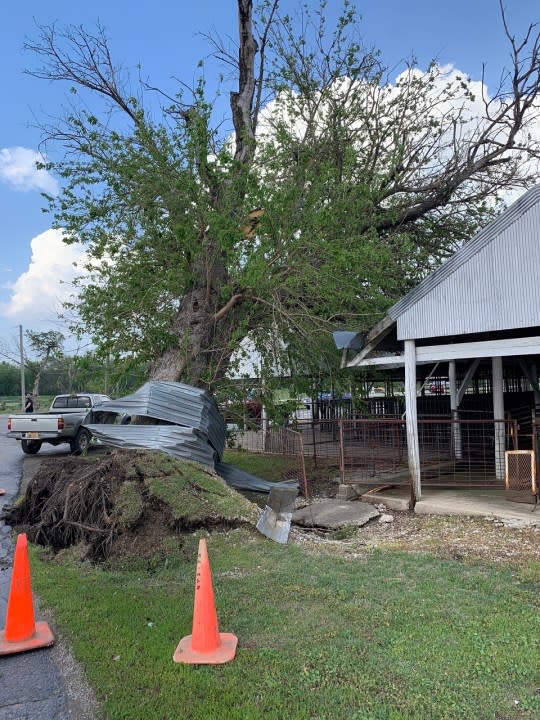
<point x="280" y="441"/>
<point x="452" y="451"/>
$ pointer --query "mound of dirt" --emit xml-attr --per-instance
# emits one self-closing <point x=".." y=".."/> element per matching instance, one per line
<point x="124" y="502"/>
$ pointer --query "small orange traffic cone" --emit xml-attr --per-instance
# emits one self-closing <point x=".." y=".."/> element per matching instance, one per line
<point x="21" y="632"/>
<point x="206" y="645"/>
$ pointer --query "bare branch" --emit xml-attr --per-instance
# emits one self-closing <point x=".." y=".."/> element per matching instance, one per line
<point x="242" y="101"/>
<point x="85" y="61"/>
<point x="231" y="302"/>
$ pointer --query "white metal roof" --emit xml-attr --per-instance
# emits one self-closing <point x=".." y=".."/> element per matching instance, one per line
<point x="491" y="283"/>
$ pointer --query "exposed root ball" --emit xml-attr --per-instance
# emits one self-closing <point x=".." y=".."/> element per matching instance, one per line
<point x="98" y="501"/>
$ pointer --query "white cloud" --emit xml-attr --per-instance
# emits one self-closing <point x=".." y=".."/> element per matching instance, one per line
<point x="37" y="294"/>
<point x="449" y="94"/>
<point x="18" y="169"/>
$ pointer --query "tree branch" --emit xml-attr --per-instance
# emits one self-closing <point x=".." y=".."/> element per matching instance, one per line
<point x="231" y="302"/>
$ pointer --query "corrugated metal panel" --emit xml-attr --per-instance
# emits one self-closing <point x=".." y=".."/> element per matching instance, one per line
<point x="180" y="442"/>
<point x="490" y="284"/>
<point x="176" y="403"/>
<point x="242" y="480"/>
<point x="195" y="429"/>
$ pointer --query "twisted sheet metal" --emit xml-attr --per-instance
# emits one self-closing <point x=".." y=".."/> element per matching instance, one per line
<point x="188" y="425"/>
<point x="180" y="442"/>
<point x="171" y="402"/>
<point x="242" y="480"/>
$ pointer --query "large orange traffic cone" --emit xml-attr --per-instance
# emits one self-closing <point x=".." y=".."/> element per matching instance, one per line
<point x="206" y="645"/>
<point x="21" y="632"/>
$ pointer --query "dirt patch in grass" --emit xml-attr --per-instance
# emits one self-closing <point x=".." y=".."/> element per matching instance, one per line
<point x="446" y="536"/>
<point x="124" y="503"/>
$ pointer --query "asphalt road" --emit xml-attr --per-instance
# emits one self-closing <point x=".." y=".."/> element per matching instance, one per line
<point x="32" y="686"/>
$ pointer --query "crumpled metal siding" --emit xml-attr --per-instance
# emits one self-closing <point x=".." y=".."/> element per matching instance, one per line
<point x="489" y="284"/>
<point x="242" y="480"/>
<point x="195" y="429"/>
<point x="181" y="442"/>
<point x="182" y="405"/>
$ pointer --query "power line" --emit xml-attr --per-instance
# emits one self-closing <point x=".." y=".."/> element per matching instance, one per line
<point x="10" y="358"/>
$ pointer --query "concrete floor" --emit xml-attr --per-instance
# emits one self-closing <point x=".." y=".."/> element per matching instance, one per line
<point x="464" y="501"/>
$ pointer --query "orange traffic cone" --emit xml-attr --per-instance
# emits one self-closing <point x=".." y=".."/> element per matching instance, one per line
<point x="21" y="632"/>
<point x="206" y="645"/>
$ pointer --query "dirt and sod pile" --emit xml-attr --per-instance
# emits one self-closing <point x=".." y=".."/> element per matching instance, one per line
<point x="124" y="502"/>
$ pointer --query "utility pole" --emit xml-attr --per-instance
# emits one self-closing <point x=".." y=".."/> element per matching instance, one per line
<point x="23" y="387"/>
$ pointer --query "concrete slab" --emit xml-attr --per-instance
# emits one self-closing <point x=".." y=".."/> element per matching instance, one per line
<point x="490" y="503"/>
<point x="334" y="514"/>
<point x="484" y="503"/>
<point x="391" y="501"/>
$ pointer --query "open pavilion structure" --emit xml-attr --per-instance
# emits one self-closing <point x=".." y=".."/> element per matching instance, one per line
<point x="481" y="306"/>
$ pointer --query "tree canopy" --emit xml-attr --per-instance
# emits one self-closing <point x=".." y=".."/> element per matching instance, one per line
<point x="332" y="192"/>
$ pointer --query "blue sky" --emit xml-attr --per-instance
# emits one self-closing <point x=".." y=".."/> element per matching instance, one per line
<point x="165" y="39"/>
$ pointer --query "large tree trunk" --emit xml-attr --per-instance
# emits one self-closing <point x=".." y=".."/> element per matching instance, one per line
<point x="194" y="329"/>
<point x="199" y="358"/>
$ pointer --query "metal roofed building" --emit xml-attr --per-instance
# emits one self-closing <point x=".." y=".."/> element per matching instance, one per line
<point x="482" y="304"/>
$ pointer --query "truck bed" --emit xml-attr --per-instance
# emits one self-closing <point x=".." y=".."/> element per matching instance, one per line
<point x="39" y="422"/>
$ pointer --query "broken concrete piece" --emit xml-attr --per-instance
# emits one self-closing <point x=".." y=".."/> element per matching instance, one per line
<point x="347" y="492"/>
<point x="386" y="518"/>
<point x="334" y="514"/>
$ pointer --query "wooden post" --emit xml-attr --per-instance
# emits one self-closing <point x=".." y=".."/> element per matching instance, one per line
<point x="498" y="414"/>
<point x="411" y="420"/>
<point x="456" y="427"/>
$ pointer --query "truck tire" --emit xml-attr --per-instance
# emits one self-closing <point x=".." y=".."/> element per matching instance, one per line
<point x="30" y="447"/>
<point x="81" y="442"/>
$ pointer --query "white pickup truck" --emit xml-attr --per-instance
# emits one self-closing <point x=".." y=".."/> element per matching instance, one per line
<point x="62" y="424"/>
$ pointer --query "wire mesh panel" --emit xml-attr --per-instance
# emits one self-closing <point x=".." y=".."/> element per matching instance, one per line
<point x="288" y="443"/>
<point x="520" y="476"/>
<point x="372" y="450"/>
<point x="453" y="452"/>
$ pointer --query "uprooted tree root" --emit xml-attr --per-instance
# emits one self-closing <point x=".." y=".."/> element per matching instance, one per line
<point x="123" y="499"/>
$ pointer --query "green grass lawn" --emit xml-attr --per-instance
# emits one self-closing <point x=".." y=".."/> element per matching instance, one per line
<point x="383" y="635"/>
<point x="269" y="467"/>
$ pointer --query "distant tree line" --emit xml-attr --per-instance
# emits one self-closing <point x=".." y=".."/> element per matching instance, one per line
<point x="72" y="374"/>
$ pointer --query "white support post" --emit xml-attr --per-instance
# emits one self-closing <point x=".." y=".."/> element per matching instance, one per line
<point x="264" y="427"/>
<point x="456" y="427"/>
<point x="412" y="420"/>
<point x="498" y="414"/>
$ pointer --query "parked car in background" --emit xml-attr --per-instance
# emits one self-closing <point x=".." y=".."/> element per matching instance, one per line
<point x="61" y="424"/>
